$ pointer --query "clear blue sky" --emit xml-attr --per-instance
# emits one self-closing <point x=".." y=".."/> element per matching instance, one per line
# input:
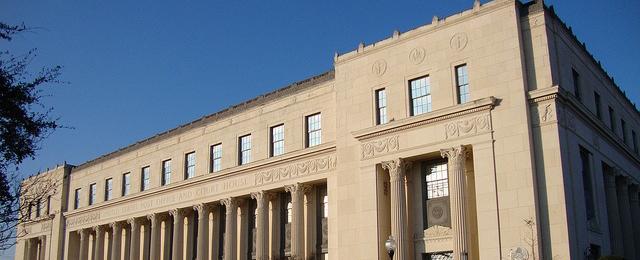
<point x="136" y="68"/>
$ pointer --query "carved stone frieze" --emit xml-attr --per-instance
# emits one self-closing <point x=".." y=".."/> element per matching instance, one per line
<point x="381" y="146"/>
<point x="308" y="167"/>
<point x="468" y="126"/>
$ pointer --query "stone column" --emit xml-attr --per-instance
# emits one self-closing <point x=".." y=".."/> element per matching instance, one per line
<point x="297" y="192"/>
<point x="635" y="215"/>
<point x="458" y="198"/>
<point x="178" y="219"/>
<point x="154" y="241"/>
<point x="311" y="218"/>
<point x="134" y="251"/>
<point x="99" y="253"/>
<point x="398" y="207"/>
<point x="615" y="229"/>
<point x="203" y="231"/>
<point x="274" y="246"/>
<point x="231" y="206"/>
<point x="625" y="217"/>
<point x="84" y="243"/>
<point x="262" y="219"/>
<point x="43" y="248"/>
<point x="116" y="240"/>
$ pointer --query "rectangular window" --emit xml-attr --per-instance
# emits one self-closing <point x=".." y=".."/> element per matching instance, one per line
<point x="314" y="130"/>
<point x="623" y="125"/>
<point x="596" y="97"/>
<point x="381" y="106"/>
<point x="587" y="186"/>
<point x="76" y="198"/>
<point x="435" y="194"/>
<point x="612" y="119"/>
<point x="216" y="158"/>
<point x="462" y="83"/>
<point x="166" y="172"/>
<point x="277" y="140"/>
<point x="145" y="178"/>
<point x="576" y="84"/>
<point x="190" y="165"/>
<point x="126" y="184"/>
<point x="634" y="140"/>
<point x="92" y="193"/>
<point x="38" y="207"/>
<point x="420" y="91"/>
<point x="244" y="148"/>
<point x="108" y="189"/>
<point x="48" y="205"/>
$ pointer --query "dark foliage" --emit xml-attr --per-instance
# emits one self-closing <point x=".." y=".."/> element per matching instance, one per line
<point x="24" y="123"/>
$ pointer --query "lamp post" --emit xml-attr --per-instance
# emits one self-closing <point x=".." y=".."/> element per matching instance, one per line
<point x="390" y="244"/>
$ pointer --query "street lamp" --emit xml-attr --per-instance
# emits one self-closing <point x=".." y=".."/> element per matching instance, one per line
<point x="390" y="244"/>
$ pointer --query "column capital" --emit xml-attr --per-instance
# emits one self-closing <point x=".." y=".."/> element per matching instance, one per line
<point x="396" y="167"/>
<point x="298" y="187"/>
<point x="99" y="229"/>
<point x="202" y="209"/>
<point x="115" y="225"/>
<point x="132" y="221"/>
<point x="153" y="218"/>
<point x="229" y="203"/>
<point x="454" y="153"/>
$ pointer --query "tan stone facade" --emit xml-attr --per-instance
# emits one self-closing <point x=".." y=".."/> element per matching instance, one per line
<point x="490" y="134"/>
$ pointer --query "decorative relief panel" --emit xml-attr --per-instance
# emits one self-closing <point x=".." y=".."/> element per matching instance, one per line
<point x="435" y="234"/>
<point x="459" y="41"/>
<point x="416" y="56"/>
<point x="379" y="67"/>
<point x="382" y="146"/>
<point x="308" y="167"/>
<point x="468" y="126"/>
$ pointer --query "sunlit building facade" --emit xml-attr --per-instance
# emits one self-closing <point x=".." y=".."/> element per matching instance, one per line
<point x="489" y="134"/>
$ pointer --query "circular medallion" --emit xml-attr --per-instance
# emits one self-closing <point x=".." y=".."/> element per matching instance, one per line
<point x="379" y="67"/>
<point x="416" y="56"/>
<point x="519" y="253"/>
<point x="459" y="41"/>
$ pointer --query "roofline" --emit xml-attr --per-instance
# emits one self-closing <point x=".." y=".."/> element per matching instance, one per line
<point x="290" y="89"/>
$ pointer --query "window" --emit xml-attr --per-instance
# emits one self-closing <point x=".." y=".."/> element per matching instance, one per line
<point x="314" y="130"/>
<point x="277" y="140"/>
<point x="76" y="199"/>
<point x="190" y="165"/>
<point x="38" y="207"/>
<point x="92" y="194"/>
<point x="623" y="125"/>
<point x="634" y="141"/>
<point x="108" y="189"/>
<point x="612" y="119"/>
<point x="146" y="178"/>
<point x="596" y="97"/>
<point x="435" y="194"/>
<point x="166" y="172"/>
<point x="462" y="83"/>
<point x="216" y="158"/>
<point x="587" y="186"/>
<point x="420" y="91"/>
<point x="576" y="84"/>
<point x="244" y="145"/>
<point x="381" y="106"/>
<point x="48" y="205"/>
<point x="126" y="184"/>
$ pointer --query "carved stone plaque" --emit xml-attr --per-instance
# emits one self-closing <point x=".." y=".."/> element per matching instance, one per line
<point x="459" y="41"/>
<point x="416" y="56"/>
<point x="379" y="67"/>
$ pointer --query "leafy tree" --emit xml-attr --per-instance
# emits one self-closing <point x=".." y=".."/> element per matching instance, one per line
<point x="24" y="122"/>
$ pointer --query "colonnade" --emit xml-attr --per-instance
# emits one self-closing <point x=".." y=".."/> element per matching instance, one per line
<point x="35" y="248"/>
<point x="195" y="232"/>
<point x="397" y="169"/>
<point x="623" y="211"/>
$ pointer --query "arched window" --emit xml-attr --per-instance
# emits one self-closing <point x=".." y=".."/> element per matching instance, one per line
<point x="289" y="212"/>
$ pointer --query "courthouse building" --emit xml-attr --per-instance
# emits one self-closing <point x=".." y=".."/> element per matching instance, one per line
<point x="489" y="134"/>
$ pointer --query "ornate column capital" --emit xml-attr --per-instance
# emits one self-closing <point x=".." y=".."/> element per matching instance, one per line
<point x="99" y="229"/>
<point x="396" y="167"/>
<point x="261" y="197"/>
<point x="115" y="225"/>
<point x="296" y="188"/>
<point x="132" y="221"/>
<point x="454" y="153"/>
<point x="202" y="209"/>
<point x="229" y="203"/>
<point x="82" y="232"/>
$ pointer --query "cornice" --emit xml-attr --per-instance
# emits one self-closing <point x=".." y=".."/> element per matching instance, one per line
<point x="427" y="118"/>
